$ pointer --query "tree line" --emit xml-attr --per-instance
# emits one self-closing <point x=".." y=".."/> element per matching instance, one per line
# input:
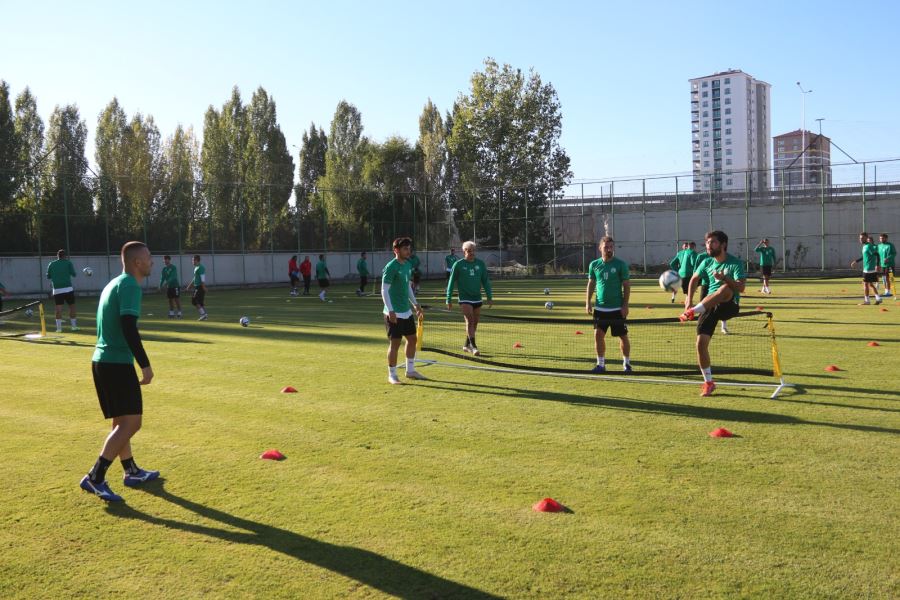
<point x="493" y="157"/>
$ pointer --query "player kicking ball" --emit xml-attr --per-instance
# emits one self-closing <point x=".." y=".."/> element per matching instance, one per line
<point x="727" y="280"/>
<point x="399" y="304"/>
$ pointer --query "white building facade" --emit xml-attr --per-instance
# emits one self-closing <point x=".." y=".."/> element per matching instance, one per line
<point x="731" y="121"/>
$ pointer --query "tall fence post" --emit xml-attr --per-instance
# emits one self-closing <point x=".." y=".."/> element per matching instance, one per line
<point x="583" y="264"/>
<point x="500" y="227"/>
<point x="677" y="230"/>
<point x="710" y="209"/>
<point x="66" y="214"/>
<point x="822" y="194"/>
<point x="643" y="219"/>
<point x="822" y="234"/>
<point x="783" y="225"/>
<point x="864" y="198"/>
<point x="527" y="263"/>
<point x="747" y="217"/>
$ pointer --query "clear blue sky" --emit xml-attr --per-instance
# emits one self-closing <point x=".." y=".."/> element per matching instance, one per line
<point x="621" y="70"/>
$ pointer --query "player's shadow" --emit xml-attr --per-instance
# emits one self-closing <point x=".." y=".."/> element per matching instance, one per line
<point x="371" y="569"/>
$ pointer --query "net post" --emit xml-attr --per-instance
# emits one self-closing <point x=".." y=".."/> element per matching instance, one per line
<point x="43" y="323"/>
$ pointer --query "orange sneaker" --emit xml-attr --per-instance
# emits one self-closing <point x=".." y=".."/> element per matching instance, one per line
<point x="687" y="315"/>
<point x="707" y="388"/>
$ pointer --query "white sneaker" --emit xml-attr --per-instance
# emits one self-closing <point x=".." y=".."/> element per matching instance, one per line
<point x="475" y="351"/>
<point x="467" y="348"/>
<point x="203" y="317"/>
<point x="724" y="329"/>
<point x="415" y="375"/>
<point x="393" y="379"/>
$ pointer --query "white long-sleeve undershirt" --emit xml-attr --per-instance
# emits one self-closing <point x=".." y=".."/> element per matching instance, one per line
<point x="386" y="298"/>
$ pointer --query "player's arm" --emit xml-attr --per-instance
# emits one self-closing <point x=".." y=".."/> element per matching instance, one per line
<point x="588" y="293"/>
<point x="450" y="284"/>
<point x="693" y="284"/>
<point x="386" y="298"/>
<point x="674" y="263"/>
<point x="626" y="296"/>
<point x="413" y="301"/>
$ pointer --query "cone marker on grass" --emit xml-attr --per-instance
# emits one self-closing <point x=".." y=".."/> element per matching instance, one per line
<point x="832" y="368"/>
<point x="272" y="455"/>
<point x="548" y="505"/>
<point x="721" y="432"/>
<point x="288" y="390"/>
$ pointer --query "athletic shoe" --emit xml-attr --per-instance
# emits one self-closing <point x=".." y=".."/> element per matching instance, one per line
<point x="142" y="476"/>
<point x="99" y="489"/>
<point x="707" y="388"/>
<point x="598" y="369"/>
<point x="886" y="295"/>
<point x="672" y="301"/>
<point x="75" y="327"/>
<point x="724" y="329"/>
<point x="203" y="317"/>
<point x="877" y="301"/>
<point x="393" y="379"/>
<point x="178" y="316"/>
<point x="467" y="348"/>
<point x="475" y="350"/>
<point x="415" y="375"/>
<point x="627" y="369"/>
<point x="687" y="315"/>
<point x="59" y="330"/>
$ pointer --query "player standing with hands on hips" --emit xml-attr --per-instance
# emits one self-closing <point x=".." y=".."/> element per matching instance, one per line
<point x="399" y="304"/>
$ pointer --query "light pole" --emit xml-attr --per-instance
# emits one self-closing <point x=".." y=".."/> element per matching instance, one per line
<point x="803" y="134"/>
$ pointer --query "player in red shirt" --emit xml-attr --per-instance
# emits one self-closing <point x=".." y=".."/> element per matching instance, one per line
<point x="306" y="271"/>
<point x="294" y="274"/>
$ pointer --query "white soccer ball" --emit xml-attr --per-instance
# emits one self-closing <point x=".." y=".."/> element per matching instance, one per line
<point x="87" y="271"/>
<point x="546" y="291"/>
<point x="670" y="281"/>
<point x="29" y="313"/>
<point x="245" y="321"/>
<point x="548" y="305"/>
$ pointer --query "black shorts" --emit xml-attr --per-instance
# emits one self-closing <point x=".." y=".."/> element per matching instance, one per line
<point x="867" y="278"/>
<point x="767" y="270"/>
<point x="685" y="282"/>
<point x="613" y="320"/>
<point x="117" y="389"/>
<point x="67" y="297"/>
<point x="198" y="296"/>
<point x="472" y="304"/>
<point x="294" y="279"/>
<point x="416" y="277"/>
<point x="173" y="292"/>
<point x="363" y="281"/>
<point x="402" y="328"/>
<point x="324" y="283"/>
<point x="706" y="325"/>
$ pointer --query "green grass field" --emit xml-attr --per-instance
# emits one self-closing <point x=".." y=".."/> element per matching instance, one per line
<point x="425" y="490"/>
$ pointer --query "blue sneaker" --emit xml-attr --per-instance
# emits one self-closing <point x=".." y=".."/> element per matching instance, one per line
<point x="142" y="476"/>
<point x="627" y="369"/>
<point x="100" y="489"/>
<point x="598" y="369"/>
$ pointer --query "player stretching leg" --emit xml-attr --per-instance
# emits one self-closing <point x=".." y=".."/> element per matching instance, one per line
<point x="727" y="280"/>
<point x="399" y="303"/>
<point x="470" y="275"/>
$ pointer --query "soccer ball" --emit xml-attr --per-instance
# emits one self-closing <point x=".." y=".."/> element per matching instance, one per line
<point x="29" y="313"/>
<point x="87" y="271"/>
<point x="245" y="321"/>
<point x="670" y="281"/>
<point x="546" y="291"/>
<point x="548" y="305"/>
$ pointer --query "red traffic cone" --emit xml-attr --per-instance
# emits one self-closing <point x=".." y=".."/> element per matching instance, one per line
<point x="649" y="307"/>
<point x="873" y="344"/>
<point x="760" y="308"/>
<point x="720" y="432"/>
<point x="272" y="455"/>
<point x="548" y="505"/>
<point x="288" y="390"/>
<point x="579" y="333"/>
<point x="883" y="309"/>
<point x="517" y="345"/>
<point x="832" y="368"/>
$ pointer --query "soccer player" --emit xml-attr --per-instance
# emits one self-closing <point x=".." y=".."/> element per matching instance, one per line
<point x="683" y="262"/>
<point x="608" y="275"/>
<point x="414" y="263"/>
<point x="450" y="260"/>
<point x="766" y="262"/>
<point x="887" y="255"/>
<point x="198" y="297"/>
<point x="362" y="267"/>
<point x="118" y="389"/>
<point x="399" y="304"/>
<point x="726" y="283"/>
<point x="169" y="279"/>
<point x="869" y="260"/>
<point x="306" y="271"/>
<point x="60" y="273"/>
<point x="470" y="275"/>
<point x="322" y="275"/>
<point x="3" y="292"/>
<point x="294" y="274"/>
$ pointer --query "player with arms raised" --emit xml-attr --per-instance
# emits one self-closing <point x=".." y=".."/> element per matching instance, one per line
<point x="608" y="275"/>
<point x="470" y="275"/>
<point x="399" y="304"/>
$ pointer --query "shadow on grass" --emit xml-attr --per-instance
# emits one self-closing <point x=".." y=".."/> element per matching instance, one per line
<point x="368" y="568"/>
<point x="712" y="413"/>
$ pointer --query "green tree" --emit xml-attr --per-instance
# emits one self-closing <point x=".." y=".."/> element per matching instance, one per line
<point x="30" y="132"/>
<point x="112" y="167"/>
<point x="11" y="173"/>
<point x="340" y="186"/>
<point x="182" y="213"/>
<point x="312" y="164"/>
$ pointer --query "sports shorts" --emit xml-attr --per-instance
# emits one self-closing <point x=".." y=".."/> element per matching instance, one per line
<point x="402" y="328"/>
<point x="173" y="292"/>
<point x="67" y="297"/>
<point x="706" y="324"/>
<point x="472" y="303"/>
<point x="767" y="270"/>
<point x="867" y="278"/>
<point x="118" y="389"/>
<point x="611" y="319"/>
<point x="294" y="279"/>
<point x="416" y="276"/>
<point x="324" y="283"/>
<point x="198" y="296"/>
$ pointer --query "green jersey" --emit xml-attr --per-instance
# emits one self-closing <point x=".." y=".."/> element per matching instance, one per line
<point x="169" y="277"/>
<point x="362" y="267"/>
<point x="684" y="262"/>
<point x="60" y="273"/>
<point x="887" y="253"/>
<point x="396" y="276"/>
<point x="470" y="277"/>
<point x="609" y="278"/>
<point x="414" y="263"/>
<point x="121" y="296"/>
<point x="766" y="255"/>
<point x="869" y="258"/>
<point x="199" y="275"/>
<point x="450" y="260"/>
<point x="322" y="270"/>
<point x="731" y="267"/>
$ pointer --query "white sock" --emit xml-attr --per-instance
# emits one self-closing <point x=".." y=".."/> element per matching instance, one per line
<point x="626" y="361"/>
<point x="877" y="298"/>
<point x="410" y="365"/>
<point x="699" y="309"/>
<point x="74" y="321"/>
<point x="707" y="374"/>
<point x="171" y="313"/>
<point x="179" y="313"/>
<point x="59" y="323"/>
<point x="392" y="370"/>
<point x="202" y="311"/>
<point x="601" y="361"/>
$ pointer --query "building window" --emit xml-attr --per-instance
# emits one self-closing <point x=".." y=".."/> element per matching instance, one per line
<point x="705" y="84"/>
<point x="727" y="100"/>
<point x="706" y="123"/>
<point x="727" y="182"/>
<point x="727" y="161"/>
<point x="727" y="141"/>
<point x="705" y="94"/>
<point x="728" y="121"/>
<point x="727" y="91"/>
<point x="705" y="113"/>
<point x="728" y="151"/>
<point x="706" y="144"/>
<point x="727" y="111"/>
<point x="706" y="153"/>
<point x="727" y="132"/>
<point x="706" y="133"/>
<point x="727" y="80"/>
<point x="705" y="163"/>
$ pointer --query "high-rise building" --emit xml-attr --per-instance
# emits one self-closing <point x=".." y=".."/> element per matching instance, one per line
<point x="730" y="131"/>
<point x="792" y="169"/>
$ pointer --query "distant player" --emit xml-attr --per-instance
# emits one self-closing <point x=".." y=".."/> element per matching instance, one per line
<point x="118" y="389"/>
<point x="608" y="275"/>
<point x="198" y="297"/>
<point x="414" y="264"/>
<point x="60" y="273"/>
<point x="887" y="254"/>
<point x="869" y="260"/>
<point x="322" y="275"/>
<point x="726" y="283"/>
<point x="306" y="271"/>
<point x="362" y="267"/>
<point x="294" y="274"/>
<point x="3" y="292"/>
<point x="766" y="262"/>
<point x="399" y="304"/>
<point x="169" y="280"/>
<point x="470" y="275"/>
<point x="683" y="262"/>
<point x="450" y="260"/>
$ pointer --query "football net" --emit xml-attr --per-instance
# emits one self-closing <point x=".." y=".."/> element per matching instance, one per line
<point x="23" y="321"/>
<point x="663" y="350"/>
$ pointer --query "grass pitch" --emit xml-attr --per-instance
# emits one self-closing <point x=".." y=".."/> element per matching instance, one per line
<point x="425" y="490"/>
